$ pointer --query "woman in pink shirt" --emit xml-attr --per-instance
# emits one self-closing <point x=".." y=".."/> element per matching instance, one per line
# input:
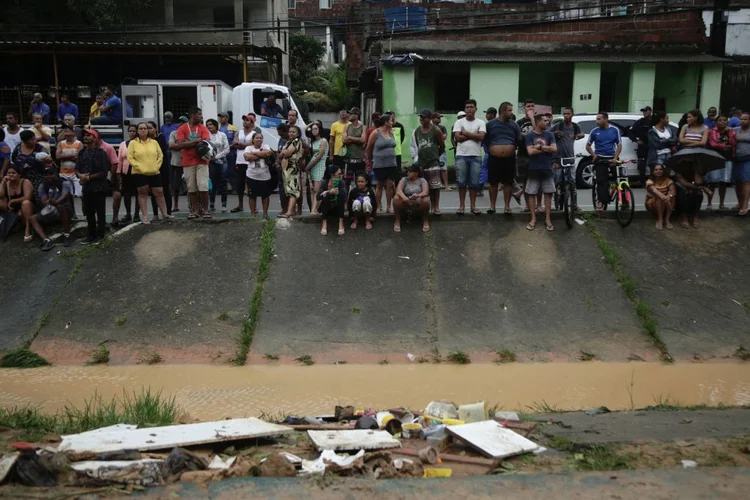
<point x="123" y="183"/>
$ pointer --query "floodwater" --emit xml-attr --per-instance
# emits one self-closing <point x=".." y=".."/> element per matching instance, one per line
<point x="214" y="392"/>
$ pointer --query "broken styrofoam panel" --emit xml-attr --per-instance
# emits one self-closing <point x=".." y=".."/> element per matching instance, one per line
<point x="506" y="415"/>
<point x="328" y="457"/>
<point x="7" y="463"/>
<point x="92" y="465"/>
<point x="492" y="439"/>
<point x="111" y="428"/>
<point x="358" y="439"/>
<point x="219" y="463"/>
<point x="158" y="438"/>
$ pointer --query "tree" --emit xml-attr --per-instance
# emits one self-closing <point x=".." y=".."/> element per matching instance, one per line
<point x="305" y="56"/>
<point x="49" y="16"/>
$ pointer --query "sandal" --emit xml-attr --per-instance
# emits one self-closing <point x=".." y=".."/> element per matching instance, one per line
<point x="696" y="225"/>
<point x="530" y="226"/>
<point x="491" y="211"/>
<point x="549" y="226"/>
<point x="283" y="216"/>
<point x="437" y="213"/>
<point x="508" y="211"/>
<point x="234" y="210"/>
<point x="192" y="216"/>
<point x="207" y="215"/>
<point x="460" y="211"/>
<point x="669" y="225"/>
<point x="324" y="232"/>
<point x="397" y="228"/>
<point x="476" y="212"/>
<point x="368" y="225"/>
<point x="685" y="225"/>
<point x="354" y="225"/>
<point x="29" y="238"/>
<point x="425" y="228"/>
<point x="168" y="217"/>
<point x="341" y="232"/>
<point x="659" y="226"/>
<point x="742" y="213"/>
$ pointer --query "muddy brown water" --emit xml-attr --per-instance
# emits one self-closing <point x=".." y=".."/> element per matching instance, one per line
<point x="214" y="392"/>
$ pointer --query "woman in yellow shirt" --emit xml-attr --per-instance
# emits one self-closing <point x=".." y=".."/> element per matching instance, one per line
<point x="145" y="158"/>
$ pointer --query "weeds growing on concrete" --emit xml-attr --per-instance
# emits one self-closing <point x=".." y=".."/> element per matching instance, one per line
<point x="543" y="407"/>
<point x="271" y="357"/>
<point x="100" y="355"/>
<point x="305" y="359"/>
<point x="436" y="357"/>
<point x="383" y="361"/>
<point x="356" y="310"/>
<point x="22" y="358"/>
<point x="742" y="353"/>
<point x="459" y="358"/>
<point x="586" y="356"/>
<point x="561" y="443"/>
<point x="223" y="315"/>
<point x="144" y="409"/>
<point x="505" y="356"/>
<point x="642" y="309"/>
<point x="120" y="321"/>
<point x="602" y="457"/>
<point x="151" y="358"/>
<point x="267" y="239"/>
<point x="631" y="390"/>
<point x="273" y="417"/>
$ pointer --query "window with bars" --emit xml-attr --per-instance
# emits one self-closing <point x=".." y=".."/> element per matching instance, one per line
<point x="326" y="4"/>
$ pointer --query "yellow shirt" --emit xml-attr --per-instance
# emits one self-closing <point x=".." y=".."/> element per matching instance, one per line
<point x="337" y="135"/>
<point x="145" y="157"/>
<point x="94" y="112"/>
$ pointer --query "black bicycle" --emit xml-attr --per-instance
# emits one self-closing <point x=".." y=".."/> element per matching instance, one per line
<point x="566" y="196"/>
<point x="619" y="192"/>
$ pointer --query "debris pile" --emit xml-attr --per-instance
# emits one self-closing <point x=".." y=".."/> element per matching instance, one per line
<point x="397" y="443"/>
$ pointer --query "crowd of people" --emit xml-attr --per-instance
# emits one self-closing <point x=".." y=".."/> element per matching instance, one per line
<point x="353" y="169"/>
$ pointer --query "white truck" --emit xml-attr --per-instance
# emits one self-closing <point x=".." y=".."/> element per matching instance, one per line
<point x="150" y="99"/>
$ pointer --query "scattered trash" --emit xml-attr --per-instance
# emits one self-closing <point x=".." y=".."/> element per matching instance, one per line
<point x="367" y="422"/>
<point x="181" y="460"/>
<point x="580" y="222"/>
<point x="430" y="472"/>
<point x="145" y="472"/>
<point x="438" y="431"/>
<point x="428" y="455"/>
<point x="327" y="458"/>
<point x="353" y="440"/>
<point x="597" y="411"/>
<point x="6" y="464"/>
<point x="441" y="410"/>
<point x="474" y="412"/>
<point x="411" y="356"/>
<point x="410" y="431"/>
<point x="492" y="439"/>
<point x="689" y="464"/>
<point x="119" y="455"/>
<point x="343" y="412"/>
<point x="405" y="257"/>
<point x="220" y="463"/>
<point x="277" y="465"/>
<point x="506" y="415"/>
<point x="32" y="472"/>
<point x="158" y="438"/>
<point x="683" y="444"/>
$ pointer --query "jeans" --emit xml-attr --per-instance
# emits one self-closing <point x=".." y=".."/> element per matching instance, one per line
<point x="468" y="169"/>
<point x="602" y="169"/>
<point x="95" y="209"/>
<point x="218" y="173"/>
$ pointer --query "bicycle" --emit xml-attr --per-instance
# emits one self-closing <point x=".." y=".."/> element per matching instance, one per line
<point x="620" y="193"/>
<point x="566" y="196"/>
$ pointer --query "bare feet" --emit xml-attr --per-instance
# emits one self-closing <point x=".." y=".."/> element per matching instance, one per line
<point x="368" y="225"/>
<point x="354" y="224"/>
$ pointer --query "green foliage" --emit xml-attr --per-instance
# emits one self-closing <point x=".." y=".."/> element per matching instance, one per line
<point x="305" y="57"/>
<point x="22" y="358"/>
<point x="95" y="13"/>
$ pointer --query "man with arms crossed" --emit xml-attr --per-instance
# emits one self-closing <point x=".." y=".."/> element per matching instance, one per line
<point x="469" y="133"/>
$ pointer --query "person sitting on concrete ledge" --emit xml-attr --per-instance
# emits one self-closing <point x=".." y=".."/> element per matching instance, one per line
<point x="332" y="197"/>
<point x="413" y="197"/>
<point x="362" y="202"/>
<point x="56" y="201"/>
<point x="660" y="196"/>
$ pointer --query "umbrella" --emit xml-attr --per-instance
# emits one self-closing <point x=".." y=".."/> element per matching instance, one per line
<point x="696" y="160"/>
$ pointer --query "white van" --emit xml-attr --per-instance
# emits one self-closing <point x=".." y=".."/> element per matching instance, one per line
<point x="248" y="97"/>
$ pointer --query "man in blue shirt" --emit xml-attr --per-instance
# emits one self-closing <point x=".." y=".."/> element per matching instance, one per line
<point x="40" y="107"/>
<point x="169" y="125"/>
<point x="66" y="108"/>
<point x="710" y="119"/>
<point x="270" y="107"/>
<point x="112" y="109"/>
<point x="604" y="155"/>
<point x="734" y="120"/>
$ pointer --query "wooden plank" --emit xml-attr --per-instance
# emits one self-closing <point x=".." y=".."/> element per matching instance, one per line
<point x="446" y="457"/>
<point x="159" y="438"/>
<point x="492" y="439"/>
<point x="357" y="439"/>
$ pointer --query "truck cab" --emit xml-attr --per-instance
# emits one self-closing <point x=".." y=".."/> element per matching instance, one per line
<point x="248" y="97"/>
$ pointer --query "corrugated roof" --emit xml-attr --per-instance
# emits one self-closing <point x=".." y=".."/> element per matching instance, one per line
<point x="555" y="57"/>
<point x="38" y="43"/>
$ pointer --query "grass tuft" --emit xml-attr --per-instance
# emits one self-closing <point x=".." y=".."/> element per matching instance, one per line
<point x="459" y="358"/>
<point x="586" y="356"/>
<point x="223" y="315"/>
<point x="120" y="321"/>
<point x="22" y="358"/>
<point x="642" y="309"/>
<point x="436" y="357"/>
<point x="602" y="457"/>
<point x="356" y="310"/>
<point x="742" y="353"/>
<point x="543" y="407"/>
<point x="152" y="358"/>
<point x="561" y="443"/>
<point x="271" y="357"/>
<point x="505" y="356"/>
<point x="383" y="361"/>
<point x="305" y="359"/>
<point x="100" y="355"/>
<point x="267" y="240"/>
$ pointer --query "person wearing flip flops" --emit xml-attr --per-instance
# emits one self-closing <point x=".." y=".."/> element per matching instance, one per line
<point x="541" y="147"/>
<point x="427" y="144"/>
<point x="503" y="136"/>
<point x="469" y="132"/>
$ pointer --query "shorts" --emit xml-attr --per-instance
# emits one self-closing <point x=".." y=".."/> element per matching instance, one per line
<point x="433" y="177"/>
<point x="443" y="162"/>
<point x="387" y="173"/>
<point x="501" y="170"/>
<point x="540" y="180"/>
<point x="116" y="182"/>
<point x="152" y="181"/>
<point x="352" y="168"/>
<point x="258" y="189"/>
<point x="197" y="178"/>
<point x="741" y="171"/>
<point x="468" y="169"/>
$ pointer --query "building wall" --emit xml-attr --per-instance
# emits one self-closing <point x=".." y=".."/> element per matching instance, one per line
<point x="677" y="84"/>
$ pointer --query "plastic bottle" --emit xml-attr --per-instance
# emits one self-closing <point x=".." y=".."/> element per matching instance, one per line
<point x="474" y="412"/>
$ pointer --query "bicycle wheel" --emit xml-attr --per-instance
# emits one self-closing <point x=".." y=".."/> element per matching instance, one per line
<point x="625" y="206"/>
<point x="567" y="202"/>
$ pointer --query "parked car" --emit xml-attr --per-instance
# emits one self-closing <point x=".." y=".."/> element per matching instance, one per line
<point x="587" y="122"/>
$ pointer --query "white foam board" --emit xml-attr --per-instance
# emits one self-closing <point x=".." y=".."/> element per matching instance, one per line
<point x="356" y="439"/>
<point x="492" y="439"/>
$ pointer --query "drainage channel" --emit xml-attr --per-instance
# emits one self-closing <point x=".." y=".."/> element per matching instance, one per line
<point x="213" y="392"/>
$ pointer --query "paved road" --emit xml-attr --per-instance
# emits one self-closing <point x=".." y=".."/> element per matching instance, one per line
<point x="449" y="202"/>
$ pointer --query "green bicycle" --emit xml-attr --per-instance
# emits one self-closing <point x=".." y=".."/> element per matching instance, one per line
<point x="620" y="192"/>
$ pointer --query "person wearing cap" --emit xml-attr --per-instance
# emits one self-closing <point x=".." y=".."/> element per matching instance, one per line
<point x="38" y="106"/>
<point x="354" y="140"/>
<point x="638" y="133"/>
<point x="242" y="140"/>
<point x="56" y="203"/>
<point x="436" y="119"/>
<point x="195" y="168"/>
<point x="337" y="151"/>
<point x="469" y="132"/>
<point x="92" y="167"/>
<point x="426" y="145"/>
<point x="175" y="161"/>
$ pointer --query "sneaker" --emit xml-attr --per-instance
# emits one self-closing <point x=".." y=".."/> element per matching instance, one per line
<point x="47" y="245"/>
<point x="137" y="218"/>
<point x="224" y="209"/>
<point x="67" y="240"/>
<point x="97" y="240"/>
<point x="88" y="240"/>
<point x="126" y="220"/>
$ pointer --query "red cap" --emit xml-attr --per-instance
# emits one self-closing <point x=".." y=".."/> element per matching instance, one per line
<point x="92" y="132"/>
<point x="249" y="116"/>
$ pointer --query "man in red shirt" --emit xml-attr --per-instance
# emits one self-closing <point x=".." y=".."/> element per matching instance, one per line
<point x="195" y="168"/>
